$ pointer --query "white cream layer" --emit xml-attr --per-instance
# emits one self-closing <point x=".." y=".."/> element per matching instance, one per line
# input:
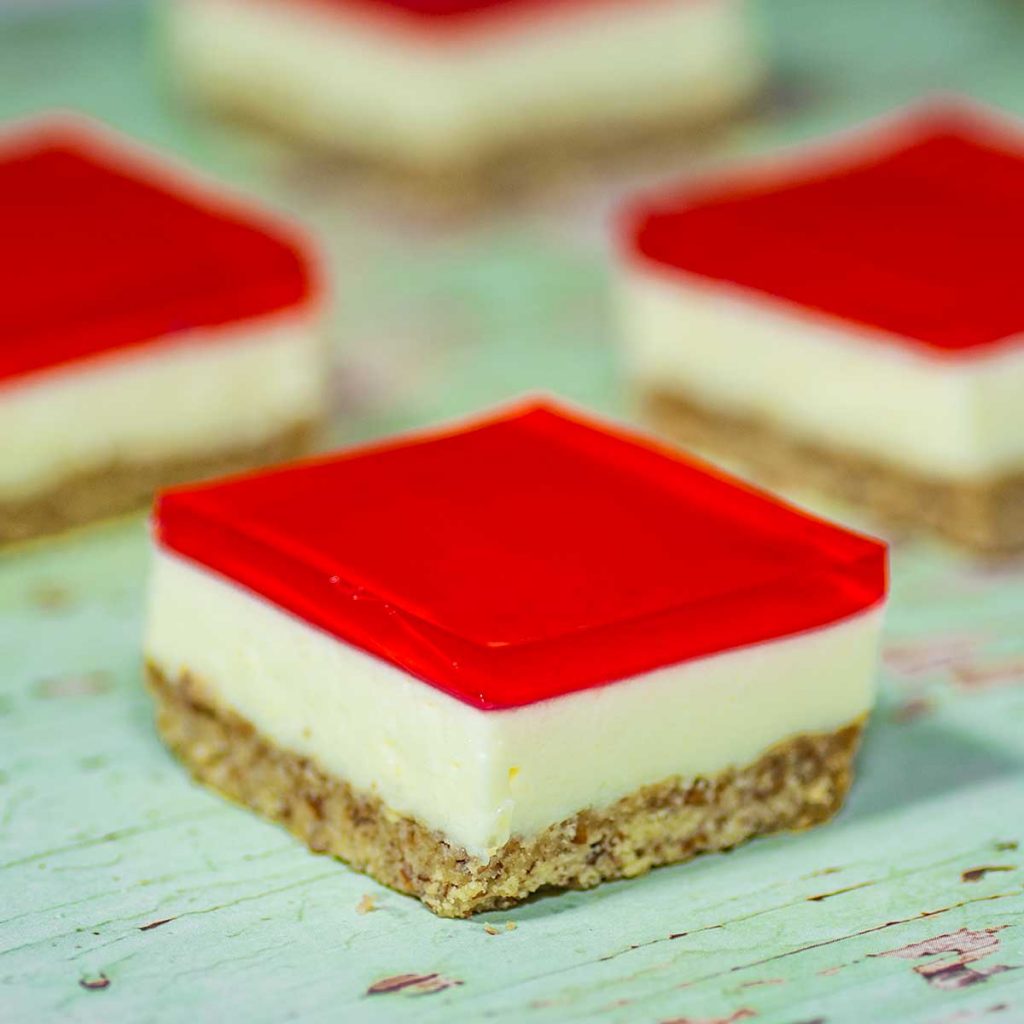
<point x="731" y="350"/>
<point x="480" y="777"/>
<point x="434" y="97"/>
<point x="207" y="390"/>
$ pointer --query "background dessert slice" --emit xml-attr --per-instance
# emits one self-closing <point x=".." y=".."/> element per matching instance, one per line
<point x="848" y="316"/>
<point x="153" y="329"/>
<point x="466" y="88"/>
<point x="526" y="652"/>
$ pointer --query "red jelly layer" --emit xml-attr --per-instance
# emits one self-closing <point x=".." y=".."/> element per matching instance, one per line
<point x="435" y="11"/>
<point x="916" y="232"/>
<point x="525" y="557"/>
<point x="101" y="252"/>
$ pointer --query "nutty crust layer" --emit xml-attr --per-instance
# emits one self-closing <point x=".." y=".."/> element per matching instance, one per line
<point x="798" y="783"/>
<point x="128" y="487"/>
<point x="986" y="517"/>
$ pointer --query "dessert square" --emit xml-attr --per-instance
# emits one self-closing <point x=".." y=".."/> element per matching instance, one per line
<point x="849" y="317"/>
<point x="460" y="90"/>
<point x="153" y="329"/>
<point x="529" y="651"/>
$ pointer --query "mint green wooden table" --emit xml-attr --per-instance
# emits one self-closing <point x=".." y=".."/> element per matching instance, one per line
<point x="128" y="894"/>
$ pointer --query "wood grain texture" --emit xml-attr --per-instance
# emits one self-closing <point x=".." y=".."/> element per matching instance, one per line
<point x="129" y="894"/>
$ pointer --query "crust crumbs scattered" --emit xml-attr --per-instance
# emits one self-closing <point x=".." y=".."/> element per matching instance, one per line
<point x="367" y="905"/>
<point x="510" y="926"/>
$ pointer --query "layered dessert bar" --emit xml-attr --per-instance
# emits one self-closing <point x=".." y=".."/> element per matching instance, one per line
<point x="529" y="651"/>
<point x="153" y="329"/>
<point x="848" y="317"/>
<point x="463" y="88"/>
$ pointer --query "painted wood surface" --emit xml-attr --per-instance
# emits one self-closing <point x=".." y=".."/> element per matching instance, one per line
<point x="128" y="894"/>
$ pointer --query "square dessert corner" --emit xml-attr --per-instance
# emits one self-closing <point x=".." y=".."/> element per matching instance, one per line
<point x="469" y="94"/>
<point x="847" y="316"/>
<point x="526" y="651"/>
<point x="155" y="328"/>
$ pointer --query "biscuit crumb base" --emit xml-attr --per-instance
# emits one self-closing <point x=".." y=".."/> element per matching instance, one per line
<point x="796" y="784"/>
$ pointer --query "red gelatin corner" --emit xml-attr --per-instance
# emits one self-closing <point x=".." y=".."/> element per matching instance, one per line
<point x="105" y="248"/>
<point x="442" y="21"/>
<point x="525" y="556"/>
<point x="458" y="12"/>
<point x="910" y="228"/>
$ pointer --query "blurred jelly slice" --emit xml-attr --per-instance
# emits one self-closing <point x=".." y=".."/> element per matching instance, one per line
<point x="847" y="316"/>
<point x="442" y="86"/>
<point x="154" y="328"/>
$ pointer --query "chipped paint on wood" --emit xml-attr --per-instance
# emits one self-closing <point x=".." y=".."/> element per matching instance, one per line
<point x="956" y="951"/>
<point x="94" y="984"/>
<point x="822" y="896"/>
<point x="994" y="672"/>
<point x="977" y="874"/>
<point x="927" y="655"/>
<point x="733" y="1018"/>
<point x="912" y="710"/>
<point x="414" y="984"/>
<point x="159" y="923"/>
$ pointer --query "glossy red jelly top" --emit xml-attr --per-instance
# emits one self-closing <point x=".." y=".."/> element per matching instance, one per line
<point x="916" y="230"/>
<point x="439" y="12"/>
<point x="101" y="251"/>
<point x="525" y="556"/>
